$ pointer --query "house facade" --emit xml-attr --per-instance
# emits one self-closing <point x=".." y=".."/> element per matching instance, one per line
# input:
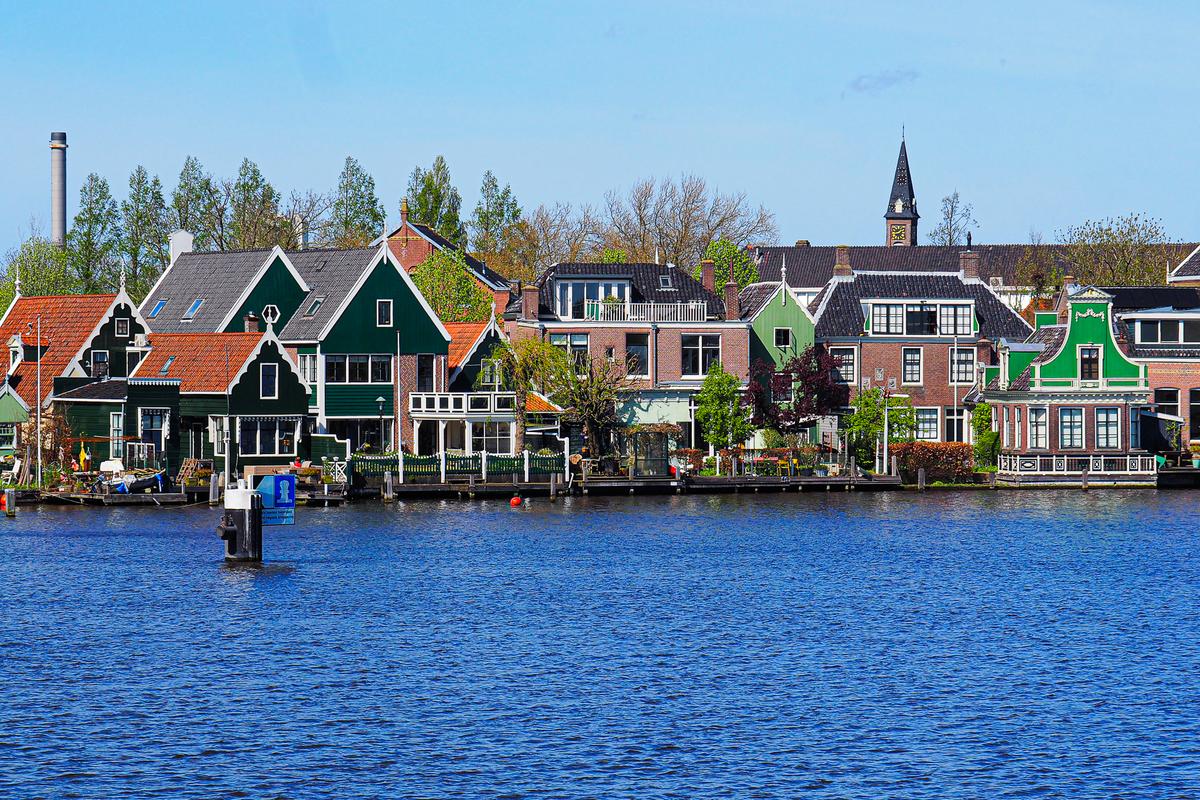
<point x="1068" y="400"/>
<point x="667" y="327"/>
<point x="920" y="335"/>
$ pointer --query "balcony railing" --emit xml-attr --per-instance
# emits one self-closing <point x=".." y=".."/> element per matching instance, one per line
<point x="599" y="311"/>
<point x="462" y="403"/>
<point x="1093" y="464"/>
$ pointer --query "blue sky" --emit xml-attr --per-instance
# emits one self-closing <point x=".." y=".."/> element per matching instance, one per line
<point x="1041" y="115"/>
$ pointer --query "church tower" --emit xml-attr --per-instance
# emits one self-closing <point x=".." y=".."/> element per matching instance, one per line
<point x="901" y="217"/>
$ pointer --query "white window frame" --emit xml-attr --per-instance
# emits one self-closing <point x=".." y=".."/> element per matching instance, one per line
<point x="390" y="306"/>
<point x="116" y="434"/>
<point x="1082" y="428"/>
<point x="117" y="327"/>
<point x="1116" y="431"/>
<point x="853" y="351"/>
<point x="937" y="423"/>
<point x="953" y="364"/>
<point x="1035" y="442"/>
<point x="775" y="338"/>
<point x="920" y="351"/>
<point x="262" y="376"/>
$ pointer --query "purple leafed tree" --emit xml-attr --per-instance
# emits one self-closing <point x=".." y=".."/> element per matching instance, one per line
<point x="788" y="399"/>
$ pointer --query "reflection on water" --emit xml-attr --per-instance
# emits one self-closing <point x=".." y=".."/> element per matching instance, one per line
<point x="988" y="644"/>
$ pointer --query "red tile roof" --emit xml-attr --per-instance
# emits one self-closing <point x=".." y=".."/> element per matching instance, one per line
<point x="463" y="336"/>
<point x="203" y="362"/>
<point x="67" y="323"/>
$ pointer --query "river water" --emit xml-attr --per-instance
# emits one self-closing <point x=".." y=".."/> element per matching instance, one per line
<point x="975" y="645"/>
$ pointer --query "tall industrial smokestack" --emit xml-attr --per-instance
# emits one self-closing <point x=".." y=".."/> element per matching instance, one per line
<point x="58" y="188"/>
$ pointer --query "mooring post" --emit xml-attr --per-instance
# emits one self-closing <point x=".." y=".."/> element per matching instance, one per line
<point x="389" y="492"/>
<point x="920" y="479"/>
<point x="241" y="525"/>
<point x="214" y="489"/>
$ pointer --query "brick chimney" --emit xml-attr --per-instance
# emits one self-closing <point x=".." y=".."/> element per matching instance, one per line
<point x="733" y="308"/>
<point x="529" y="301"/>
<point x="968" y="262"/>
<point x="708" y="274"/>
<point x="250" y="323"/>
<point x="841" y="266"/>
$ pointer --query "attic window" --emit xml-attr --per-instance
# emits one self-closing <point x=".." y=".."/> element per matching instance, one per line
<point x="167" y="366"/>
<point x="193" y="308"/>
<point x="158" y="307"/>
<point x="664" y="281"/>
<point x="314" y="307"/>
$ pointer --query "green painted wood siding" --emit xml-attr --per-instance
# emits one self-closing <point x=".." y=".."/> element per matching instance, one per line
<point x="245" y="397"/>
<point x="277" y="287"/>
<point x="356" y="331"/>
<point x="117" y="346"/>
<point x="783" y="311"/>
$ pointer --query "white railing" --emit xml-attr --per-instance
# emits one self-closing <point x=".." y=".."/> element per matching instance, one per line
<point x="442" y="403"/>
<point x="1094" y="464"/>
<point x="599" y="311"/>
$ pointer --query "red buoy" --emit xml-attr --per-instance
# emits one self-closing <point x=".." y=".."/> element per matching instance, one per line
<point x="515" y="502"/>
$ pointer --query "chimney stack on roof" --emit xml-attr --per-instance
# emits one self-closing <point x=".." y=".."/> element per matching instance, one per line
<point x="841" y="266"/>
<point x="58" y="188"/>
<point x="708" y="274"/>
<point x="529" y="301"/>
<point x="732" y="305"/>
<point x="968" y="262"/>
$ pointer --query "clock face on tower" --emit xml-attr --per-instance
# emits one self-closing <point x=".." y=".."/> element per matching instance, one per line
<point x="899" y="233"/>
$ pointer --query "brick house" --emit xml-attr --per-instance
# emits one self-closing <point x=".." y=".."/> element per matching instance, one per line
<point x="667" y="326"/>
<point x="919" y="334"/>
<point x="413" y="242"/>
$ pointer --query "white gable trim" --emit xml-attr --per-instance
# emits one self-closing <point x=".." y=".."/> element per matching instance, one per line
<point x="276" y="252"/>
<point x="268" y="337"/>
<point x="383" y="254"/>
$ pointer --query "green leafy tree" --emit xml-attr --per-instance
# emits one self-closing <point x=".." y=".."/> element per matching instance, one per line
<point x="590" y="392"/>
<point x="195" y="205"/>
<point x="987" y="441"/>
<point x="434" y="201"/>
<point x="864" y="428"/>
<point x="721" y="409"/>
<point x="450" y="289"/>
<point x="613" y="255"/>
<point x="728" y="256"/>
<point x="43" y="270"/>
<point x="144" y="233"/>
<point x="357" y="216"/>
<point x="94" y="241"/>
<point x="495" y="214"/>
<point x="528" y="365"/>
<point x="253" y="209"/>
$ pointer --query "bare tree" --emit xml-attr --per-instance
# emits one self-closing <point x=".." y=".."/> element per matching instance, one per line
<point x="956" y="221"/>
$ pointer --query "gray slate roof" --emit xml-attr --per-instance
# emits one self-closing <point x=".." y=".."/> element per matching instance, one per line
<point x="221" y="277"/>
<point x="218" y="278"/>
<point x="644" y="282"/>
<point x="842" y="314"/>
<point x="755" y="296"/>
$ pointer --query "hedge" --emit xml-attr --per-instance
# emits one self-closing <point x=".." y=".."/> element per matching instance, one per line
<point x="943" y="461"/>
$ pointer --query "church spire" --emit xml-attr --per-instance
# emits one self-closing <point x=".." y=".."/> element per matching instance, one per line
<point x="901" y="214"/>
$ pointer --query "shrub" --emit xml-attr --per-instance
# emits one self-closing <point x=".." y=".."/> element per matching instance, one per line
<point x="943" y="461"/>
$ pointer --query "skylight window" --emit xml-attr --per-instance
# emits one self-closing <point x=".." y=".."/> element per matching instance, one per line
<point x="314" y="307"/>
<point x="193" y="308"/>
<point x="167" y="366"/>
<point x="158" y="307"/>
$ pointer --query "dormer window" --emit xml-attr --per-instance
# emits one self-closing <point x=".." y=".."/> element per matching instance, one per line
<point x="158" y="307"/>
<point x="193" y="309"/>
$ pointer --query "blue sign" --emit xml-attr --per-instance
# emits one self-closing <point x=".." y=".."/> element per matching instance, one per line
<point x="279" y="499"/>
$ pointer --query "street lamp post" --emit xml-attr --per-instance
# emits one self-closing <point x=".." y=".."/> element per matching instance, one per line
<point x="381" y="400"/>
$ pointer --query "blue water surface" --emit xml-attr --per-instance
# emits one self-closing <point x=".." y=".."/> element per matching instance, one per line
<point x="973" y="645"/>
